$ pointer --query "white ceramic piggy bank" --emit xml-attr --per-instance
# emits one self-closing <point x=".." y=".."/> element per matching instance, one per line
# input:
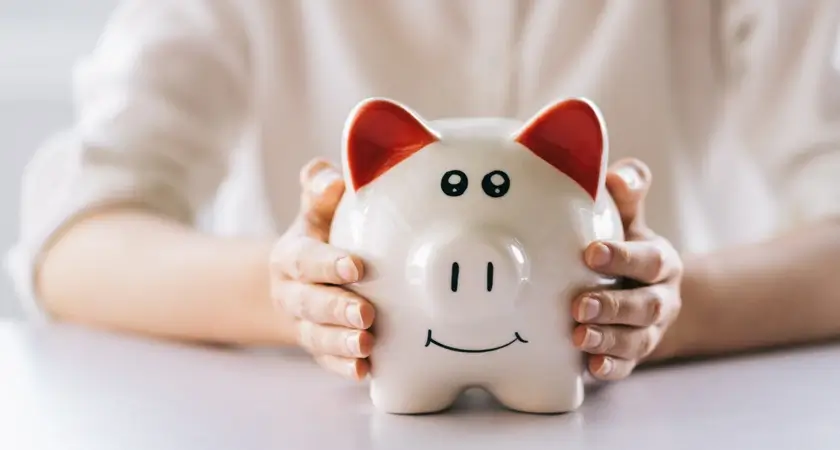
<point x="472" y="232"/>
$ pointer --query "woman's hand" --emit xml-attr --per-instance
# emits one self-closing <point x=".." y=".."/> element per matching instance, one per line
<point x="307" y="275"/>
<point x="619" y="328"/>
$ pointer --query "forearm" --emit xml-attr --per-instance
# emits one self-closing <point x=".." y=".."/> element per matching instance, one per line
<point x="769" y="294"/>
<point x="136" y="272"/>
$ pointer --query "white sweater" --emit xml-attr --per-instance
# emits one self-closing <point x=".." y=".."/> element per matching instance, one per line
<point x="206" y="109"/>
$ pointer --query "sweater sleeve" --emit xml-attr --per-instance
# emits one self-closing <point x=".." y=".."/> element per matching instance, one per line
<point x="789" y="100"/>
<point x="160" y="104"/>
<point x="808" y="162"/>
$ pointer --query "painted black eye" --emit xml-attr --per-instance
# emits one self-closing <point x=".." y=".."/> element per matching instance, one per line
<point x="496" y="183"/>
<point x="454" y="183"/>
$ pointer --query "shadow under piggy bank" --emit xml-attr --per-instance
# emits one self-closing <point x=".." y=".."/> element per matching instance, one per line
<point x="478" y="420"/>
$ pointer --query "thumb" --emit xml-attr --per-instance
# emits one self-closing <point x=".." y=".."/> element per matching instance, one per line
<point x="628" y="181"/>
<point x="321" y="190"/>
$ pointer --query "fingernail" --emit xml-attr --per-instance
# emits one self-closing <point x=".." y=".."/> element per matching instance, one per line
<point x="346" y="269"/>
<point x="630" y="176"/>
<point x="354" y="345"/>
<point x="589" y="308"/>
<point x="354" y="316"/>
<point x="599" y="255"/>
<point x="323" y="179"/>
<point x="606" y="367"/>
<point x="353" y="370"/>
<point x="592" y="338"/>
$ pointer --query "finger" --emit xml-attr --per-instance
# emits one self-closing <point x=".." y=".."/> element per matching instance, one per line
<point x="325" y="305"/>
<point x="322" y="188"/>
<point x="352" y="368"/>
<point x="608" y="368"/>
<point x="639" y="307"/>
<point x="309" y="260"/>
<point x="616" y="340"/>
<point x="646" y="261"/>
<point x="336" y="341"/>
<point x="628" y="182"/>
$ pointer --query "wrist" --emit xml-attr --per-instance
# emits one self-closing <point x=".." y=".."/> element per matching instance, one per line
<point x="258" y="319"/>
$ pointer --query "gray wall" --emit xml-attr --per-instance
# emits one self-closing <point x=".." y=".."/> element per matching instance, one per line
<point x="39" y="41"/>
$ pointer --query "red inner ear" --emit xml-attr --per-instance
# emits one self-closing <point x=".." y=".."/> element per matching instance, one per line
<point x="382" y="135"/>
<point x="568" y="136"/>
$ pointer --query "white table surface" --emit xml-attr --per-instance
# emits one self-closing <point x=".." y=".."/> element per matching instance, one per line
<point x="68" y="388"/>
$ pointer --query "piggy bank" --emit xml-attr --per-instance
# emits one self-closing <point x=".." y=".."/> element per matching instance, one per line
<point x="472" y="231"/>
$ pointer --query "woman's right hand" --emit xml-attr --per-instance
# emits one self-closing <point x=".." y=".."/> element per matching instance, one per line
<point x="308" y="274"/>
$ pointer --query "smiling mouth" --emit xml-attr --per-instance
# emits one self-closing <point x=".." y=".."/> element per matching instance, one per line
<point x="429" y="341"/>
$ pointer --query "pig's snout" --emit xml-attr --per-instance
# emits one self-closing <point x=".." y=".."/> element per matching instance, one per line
<point x="456" y="274"/>
<point x="466" y="276"/>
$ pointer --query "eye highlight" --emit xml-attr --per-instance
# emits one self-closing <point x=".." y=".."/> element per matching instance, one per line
<point x="496" y="184"/>
<point x="454" y="183"/>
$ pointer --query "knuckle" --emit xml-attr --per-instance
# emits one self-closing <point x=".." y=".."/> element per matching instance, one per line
<point x="306" y="336"/>
<point x="644" y="342"/>
<point x="654" y="307"/>
<point x="291" y="256"/>
<point x="628" y="344"/>
<point x="647" y="341"/>
<point x="279" y="255"/>
<point x="336" y="306"/>
<point x="657" y="262"/>
<point x="302" y="301"/>
<point x="305" y="303"/>
<point x="677" y="262"/>
<point x="313" y="216"/>
<point x="283" y="298"/>
<point x="623" y="254"/>
<point x="671" y="304"/>
<point x="611" y="305"/>
<point x="608" y="342"/>
<point x="671" y="262"/>
<point x="297" y="267"/>
<point x="621" y="343"/>
<point x="676" y="308"/>
<point x="290" y="297"/>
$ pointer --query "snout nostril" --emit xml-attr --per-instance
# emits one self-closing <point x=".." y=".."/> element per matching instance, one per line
<point x="489" y="276"/>
<point x="454" y="278"/>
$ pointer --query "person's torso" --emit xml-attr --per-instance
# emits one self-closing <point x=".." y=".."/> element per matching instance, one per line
<point x="657" y="69"/>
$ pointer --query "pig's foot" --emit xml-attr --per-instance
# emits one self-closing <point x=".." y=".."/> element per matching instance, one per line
<point x="543" y="395"/>
<point x="412" y="396"/>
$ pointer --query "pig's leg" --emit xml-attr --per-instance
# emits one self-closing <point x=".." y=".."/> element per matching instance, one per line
<point x="542" y="392"/>
<point x="413" y="395"/>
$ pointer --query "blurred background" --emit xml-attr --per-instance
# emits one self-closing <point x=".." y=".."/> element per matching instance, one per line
<point x="39" y="42"/>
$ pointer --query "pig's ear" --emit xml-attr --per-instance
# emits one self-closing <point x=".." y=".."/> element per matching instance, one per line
<point x="570" y="135"/>
<point x="378" y="135"/>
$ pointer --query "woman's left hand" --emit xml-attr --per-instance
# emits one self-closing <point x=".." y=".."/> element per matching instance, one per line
<point x="619" y="328"/>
